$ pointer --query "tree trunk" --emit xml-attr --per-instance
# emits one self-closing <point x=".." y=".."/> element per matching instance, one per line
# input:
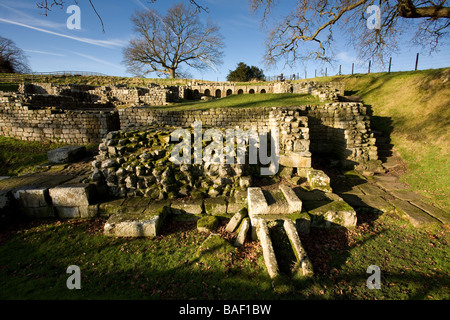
<point x="172" y="73"/>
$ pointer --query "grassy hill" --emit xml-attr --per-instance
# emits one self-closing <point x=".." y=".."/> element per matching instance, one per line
<point x="415" y="108"/>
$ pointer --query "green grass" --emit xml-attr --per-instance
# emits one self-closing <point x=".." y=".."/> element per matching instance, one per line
<point x="413" y="107"/>
<point x="246" y="101"/>
<point x="18" y="157"/>
<point x="33" y="261"/>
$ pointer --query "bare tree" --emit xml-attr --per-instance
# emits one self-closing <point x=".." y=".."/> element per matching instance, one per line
<point x="165" y="43"/>
<point x="12" y="58"/>
<point x="308" y="31"/>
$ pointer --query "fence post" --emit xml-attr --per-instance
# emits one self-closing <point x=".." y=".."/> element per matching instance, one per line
<point x="353" y="65"/>
<point x="326" y="71"/>
<point x="369" y="66"/>
<point x="339" y="69"/>
<point x="315" y="73"/>
<point x="417" y="61"/>
<point x="390" y="61"/>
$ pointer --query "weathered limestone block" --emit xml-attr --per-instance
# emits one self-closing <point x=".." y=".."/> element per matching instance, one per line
<point x="236" y="220"/>
<point x="242" y="232"/>
<point x="207" y="224"/>
<point x="335" y="213"/>
<point x="66" y="154"/>
<point x="317" y="179"/>
<point x="194" y="206"/>
<point x="71" y="195"/>
<point x="136" y="225"/>
<point x="304" y="267"/>
<point x="267" y="247"/>
<point x="294" y="202"/>
<point x="295" y="160"/>
<point x="216" y="206"/>
<point x="33" y="197"/>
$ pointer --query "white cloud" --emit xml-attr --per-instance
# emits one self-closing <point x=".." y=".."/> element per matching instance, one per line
<point x="92" y="58"/>
<point x="44" y="52"/>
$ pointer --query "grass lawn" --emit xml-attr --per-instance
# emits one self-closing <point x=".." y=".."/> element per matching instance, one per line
<point x="19" y="157"/>
<point x="34" y="257"/>
<point x="246" y="101"/>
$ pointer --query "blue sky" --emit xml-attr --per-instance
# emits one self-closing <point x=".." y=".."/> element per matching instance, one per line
<point x="51" y="46"/>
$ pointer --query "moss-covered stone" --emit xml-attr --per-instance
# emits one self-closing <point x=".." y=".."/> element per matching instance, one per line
<point x="207" y="224"/>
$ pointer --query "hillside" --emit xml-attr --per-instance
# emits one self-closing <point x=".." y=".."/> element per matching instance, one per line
<point x="414" y="108"/>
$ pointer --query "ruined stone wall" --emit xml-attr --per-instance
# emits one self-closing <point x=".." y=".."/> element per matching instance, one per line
<point x="340" y="128"/>
<point x="44" y="124"/>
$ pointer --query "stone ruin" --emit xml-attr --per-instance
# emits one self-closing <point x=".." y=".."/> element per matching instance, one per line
<point x="139" y="185"/>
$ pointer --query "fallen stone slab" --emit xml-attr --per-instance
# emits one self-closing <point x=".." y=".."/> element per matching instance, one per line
<point x="136" y="225"/>
<point x="304" y="267"/>
<point x="437" y="213"/>
<point x="372" y="190"/>
<point x="216" y="206"/>
<point x="77" y="212"/>
<point x="326" y="214"/>
<point x="406" y="195"/>
<point x="416" y="216"/>
<point x="71" y="195"/>
<point x="376" y="202"/>
<point x="107" y="209"/>
<point x="390" y="186"/>
<point x="242" y="232"/>
<point x="236" y="220"/>
<point x="267" y="248"/>
<point x="66" y="154"/>
<point x="193" y="206"/>
<point x="207" y="224"/>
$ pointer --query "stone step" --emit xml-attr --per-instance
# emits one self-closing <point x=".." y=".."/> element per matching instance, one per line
<point x="437" y="213"/>
<point x="413" y="214"/>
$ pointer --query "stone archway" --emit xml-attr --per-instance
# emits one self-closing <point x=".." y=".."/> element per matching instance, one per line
<point x="251" y="91"/>
<point x="229" y="92"/>
<point x="240" y="91"/>
<point x="218" y="93"/>
<point x="207" y="92"/>
<point x="263" y="90"/>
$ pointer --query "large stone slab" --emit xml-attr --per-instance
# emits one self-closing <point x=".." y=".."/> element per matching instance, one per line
<point x="242" y="234"/>
<point x="66" y="154"/>
<point x="372" y="190"/>
<point x="136" y="225"/>
<point x="236" y="220"/>
<point x="294" y="202"/>
<point x="33" y="197"/>
<point x="193" y="206"/>
<point x="294" y="160"/>
<point x="71" y="195"/>
<point x="416" y="216"/>
<point x="267" y="248"/>
<point x="331" y="213"/>
<point x="304" y="267"/>
<point x="439" y="214"/>
<point x="216" y="206"/>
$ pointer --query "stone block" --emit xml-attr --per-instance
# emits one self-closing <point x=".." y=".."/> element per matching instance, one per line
<point x="416" y="216"/>
<point x="136" y="225"/>
<point x="33" y="197"/>
<point x="317" y="179"/>
<point x="68" y="212"/>
<point x="66" y="154"/>
<point x="257" y="203"/>
<point x="236" y="220"/>
<point x="295" y="160"/>
<point x="242" y="232"/>
<point x="327" y="214"/>
<point x="303" y="267"/>
<point x="207" y="224"/>
<point x="216" y="206"/>
<point x="294" y="202"/>
<point x="194" y="206"/>
<point x="71" y="195"/>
